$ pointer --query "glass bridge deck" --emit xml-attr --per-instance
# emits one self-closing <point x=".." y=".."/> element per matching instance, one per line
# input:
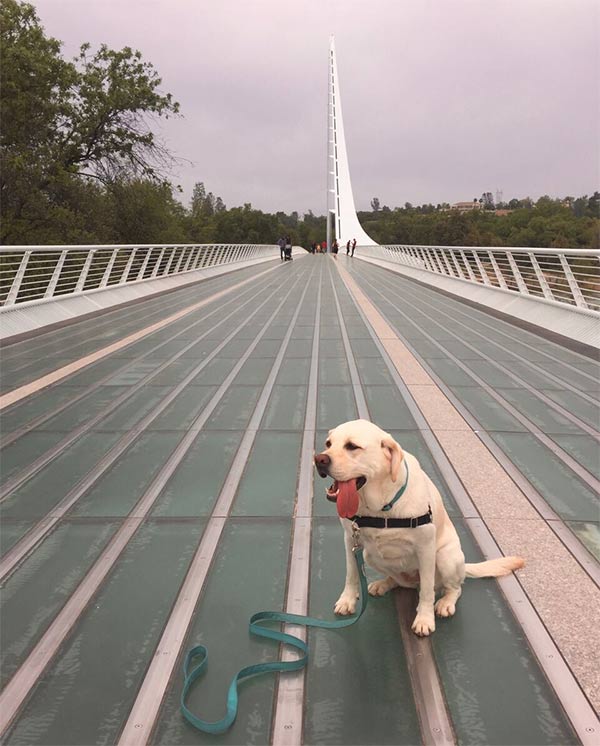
<point x="185" y="457"/>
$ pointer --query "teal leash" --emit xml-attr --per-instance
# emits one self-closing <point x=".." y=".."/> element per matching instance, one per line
<point x="191" y="675"/>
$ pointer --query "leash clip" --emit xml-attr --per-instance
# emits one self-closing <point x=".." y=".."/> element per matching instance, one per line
<point x="355" y="536"/>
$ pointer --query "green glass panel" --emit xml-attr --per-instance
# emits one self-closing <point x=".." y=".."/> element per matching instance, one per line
<point x="35" y="406"/>
<point x="254" y="371"/>
<point x="583" y="448"/>
<point x="488" y="412"/>
<point x="588" y="534"/>
<point x="234" y="409"/>
<point x="134" y="409"/>
<point x="118" y="490"/>
<point x="37" y="590"/>
<point x="373" y="371"/>
<point x="83" y="410"/>
<point x="184" y="409"/>
<point x="495" y="690"/>
<point x="333" y="371"/>
<point x="268" y="486"/>
<point x="576" y="405"/>
<point x="43" y="491"/>
<point x="358" y="689"/>
<point x="335" y="405"/>
<point x="25" y="450"/>
<point x="195" y="485"/>
<point x="248" y="575"/>
<point x="87" y="693"/>
<point x="286" y="408"/>
<point x="558" y="485"/>
<point x="294" y="370"/>
<point x="388" y="409"/>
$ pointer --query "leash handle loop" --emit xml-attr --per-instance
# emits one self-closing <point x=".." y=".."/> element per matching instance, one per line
<point x="191" y="675"/>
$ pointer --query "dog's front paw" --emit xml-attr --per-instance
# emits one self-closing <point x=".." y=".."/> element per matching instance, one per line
<point x="423" y="625"/>
<point x="346" y="604"/>
<point x="380" y="587"/>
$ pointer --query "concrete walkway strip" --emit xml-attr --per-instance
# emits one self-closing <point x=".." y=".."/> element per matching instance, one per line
<point x="565" y="597"/>
<point x="40" y="530"/>
<point x="66" y="370"/>
<point x="40" y="657"/>
<point x="143" y="715"/>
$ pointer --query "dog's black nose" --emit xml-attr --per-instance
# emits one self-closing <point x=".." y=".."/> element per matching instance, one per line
<point x="322" y="462"/>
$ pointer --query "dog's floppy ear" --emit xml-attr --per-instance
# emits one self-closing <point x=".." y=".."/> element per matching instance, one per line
<point x="393" y="452"/>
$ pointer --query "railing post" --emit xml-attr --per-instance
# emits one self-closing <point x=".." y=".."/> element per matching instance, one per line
<point x="484" y="276"/>
<point x="127" y="267"/>
<point x="447" y="263"/>
<point x="188" y="261"/>
<point x="459" y="271"/>
<point x="16" y="283"/>
<point x="179" y="261"/>
<point x="468" y="266"/>
<point x="140" y="274"/>
<point x="575" y="289"/>
<point x="158" y="263"/>
<point x="169" y="263"/>
<point x="499" y="275"/>
<point x="108" y="270"/>
<point x="56" y="274"/>
<point x="541" y="278"/>
<point x="84" y="272"/>
<point x="431" y="259"/>
<point x="517" y="273"/>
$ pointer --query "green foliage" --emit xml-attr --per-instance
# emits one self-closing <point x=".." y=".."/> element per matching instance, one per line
<point x="546" y="223"/>
<point x="63" y="121"/>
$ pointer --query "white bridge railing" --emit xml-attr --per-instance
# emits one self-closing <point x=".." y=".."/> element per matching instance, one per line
<point x="560" y="275"/>
<point x="34" y="272"/>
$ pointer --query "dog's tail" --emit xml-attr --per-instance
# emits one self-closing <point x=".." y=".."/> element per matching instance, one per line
<point x="494" y="568"/>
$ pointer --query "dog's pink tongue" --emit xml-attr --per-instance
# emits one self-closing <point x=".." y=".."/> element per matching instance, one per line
<point x="347" y="499"/>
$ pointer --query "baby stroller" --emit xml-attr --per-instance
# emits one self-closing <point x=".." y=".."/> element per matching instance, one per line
<point x="288" y="252"/>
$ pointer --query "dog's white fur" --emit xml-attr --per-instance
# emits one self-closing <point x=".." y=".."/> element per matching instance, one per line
<point x="428" y="557"/>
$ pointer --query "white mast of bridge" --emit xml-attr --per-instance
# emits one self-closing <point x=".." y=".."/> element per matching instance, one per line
<point x="340" y="201"/>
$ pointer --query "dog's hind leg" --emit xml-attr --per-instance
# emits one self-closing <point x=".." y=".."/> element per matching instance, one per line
<point x="450" y="574"/>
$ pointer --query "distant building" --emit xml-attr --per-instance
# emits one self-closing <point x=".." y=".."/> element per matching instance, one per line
<point x="466" y="206"/>
<point x="502" y="213"/>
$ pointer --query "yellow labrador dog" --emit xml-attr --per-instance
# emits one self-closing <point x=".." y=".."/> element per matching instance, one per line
<point x="404" y="527"/>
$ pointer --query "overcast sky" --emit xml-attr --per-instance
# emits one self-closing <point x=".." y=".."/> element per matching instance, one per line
<point x="442" y="99"/>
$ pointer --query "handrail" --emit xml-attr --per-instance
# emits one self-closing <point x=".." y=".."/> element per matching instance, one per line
<point x="565" y="276"/>
<point x="40" y="272"/>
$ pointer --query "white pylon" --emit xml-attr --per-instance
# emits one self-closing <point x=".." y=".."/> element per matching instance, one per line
<point x="340" y="201"/>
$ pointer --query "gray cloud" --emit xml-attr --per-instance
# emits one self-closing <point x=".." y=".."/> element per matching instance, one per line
<point x="442" y="99"/>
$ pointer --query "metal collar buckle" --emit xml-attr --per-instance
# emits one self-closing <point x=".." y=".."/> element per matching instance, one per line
<point x="414" y="522"/>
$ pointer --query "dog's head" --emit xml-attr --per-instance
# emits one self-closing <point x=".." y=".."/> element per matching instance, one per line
<point x="358" y="453"/>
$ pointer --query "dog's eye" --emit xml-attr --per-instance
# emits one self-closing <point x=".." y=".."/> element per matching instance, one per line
<point x="351" y="447"/>
<point x="327" y="444"/>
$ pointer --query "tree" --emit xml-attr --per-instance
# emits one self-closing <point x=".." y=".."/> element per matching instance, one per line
<point x="86" y="118"/>
<point x="375" y="204"/>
